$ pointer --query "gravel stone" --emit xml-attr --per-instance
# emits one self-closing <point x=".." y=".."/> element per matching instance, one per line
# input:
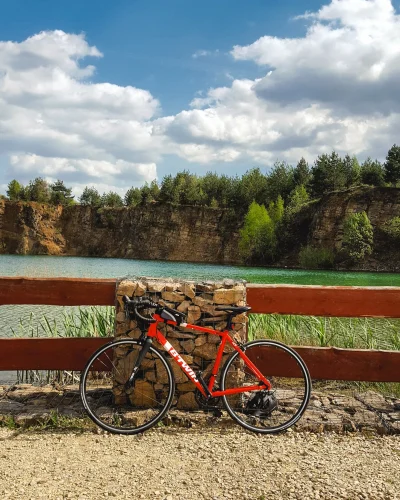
<point x="198" y="463"/>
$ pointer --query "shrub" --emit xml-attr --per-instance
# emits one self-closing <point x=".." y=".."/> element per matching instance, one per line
<point x="316" y="258"/>
<point x="392" y="228"/>
<point x="358" y="235"/>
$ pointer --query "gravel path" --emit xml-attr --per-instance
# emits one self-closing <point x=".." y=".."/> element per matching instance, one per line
<point x="211" y="463"/>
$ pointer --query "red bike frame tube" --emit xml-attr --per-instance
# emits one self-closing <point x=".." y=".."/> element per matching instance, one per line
<point x="155" y="333"/>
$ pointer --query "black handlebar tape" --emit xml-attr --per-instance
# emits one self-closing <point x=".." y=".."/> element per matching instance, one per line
<point x="147" y="320"/>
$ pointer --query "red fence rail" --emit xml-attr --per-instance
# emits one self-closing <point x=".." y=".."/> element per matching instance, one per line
<point x="324" y="363"/>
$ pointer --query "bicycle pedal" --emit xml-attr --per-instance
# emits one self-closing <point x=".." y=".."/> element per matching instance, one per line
<point x="217" y="413"/>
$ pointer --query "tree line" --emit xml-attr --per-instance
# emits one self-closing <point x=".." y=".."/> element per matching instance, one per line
<point x="294" y="185"/>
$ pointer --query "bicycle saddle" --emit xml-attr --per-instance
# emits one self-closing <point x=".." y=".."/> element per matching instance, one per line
<point x="235" y="309"/>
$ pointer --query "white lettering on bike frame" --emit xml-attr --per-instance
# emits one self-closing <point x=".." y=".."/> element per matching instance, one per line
<point x="168" y="347"/>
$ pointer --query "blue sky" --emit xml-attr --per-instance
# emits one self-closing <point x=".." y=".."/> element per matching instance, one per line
<point x="150" y="43"/>
<point x="179" y="50"/>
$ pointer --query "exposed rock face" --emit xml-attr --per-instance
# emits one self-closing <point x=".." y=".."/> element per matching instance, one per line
<point x="160" y="232"/>
<point x="32" y="228"/>
<point x="321" y="224"/>
<point x="380" y="204"/>
<point x="193" y="234"/>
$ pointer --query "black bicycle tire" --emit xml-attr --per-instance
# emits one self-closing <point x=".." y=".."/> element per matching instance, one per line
<point x="152" y="422"/>
<point x="298" y="414"/>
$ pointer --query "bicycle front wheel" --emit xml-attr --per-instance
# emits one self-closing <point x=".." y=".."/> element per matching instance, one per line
<point x="124" y="408"/>
<point x="265" y="411"/>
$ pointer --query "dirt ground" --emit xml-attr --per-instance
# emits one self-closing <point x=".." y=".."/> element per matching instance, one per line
<point x="197" y="463"/>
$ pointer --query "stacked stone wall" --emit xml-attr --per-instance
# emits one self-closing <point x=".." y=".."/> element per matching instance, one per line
<point x="198" y="300"/>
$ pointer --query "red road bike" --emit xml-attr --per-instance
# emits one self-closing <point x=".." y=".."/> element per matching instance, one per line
<point x="128" y="385"/>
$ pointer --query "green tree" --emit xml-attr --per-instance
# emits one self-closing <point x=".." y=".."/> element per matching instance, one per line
<point x="223" y="189"/>
<point x="276" y="210"/>
<point x="39" y="190"/>
<point x="392" y="228"/>
<point x="257" y="237"/>
<point x="154" y="190"/>
<point x="358" y="235"/>
<point x="280" y="181"/>
<point x="90" y="196"/>
<point x="392" y="165"/>
<point x="301" y="173"/>
<point x="298" y="198"/>
<point x="190" y="190"/>
<point x="60" y="194"/>
<point x="133" y="197"/>
<point x="111" y="199"/>
<point x="146" y="194"/>
<point x="214" y="203"/>
<point x="372" y="173"/>
<point x="328" y="174"/>
<point x="351" y="170"/>
<point x="251" y="187"/>
<point x="168" y="193"/>
<point x="14" y="190"/>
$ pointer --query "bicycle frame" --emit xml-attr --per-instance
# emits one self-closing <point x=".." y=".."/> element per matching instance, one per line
<point x="153" y="332"/>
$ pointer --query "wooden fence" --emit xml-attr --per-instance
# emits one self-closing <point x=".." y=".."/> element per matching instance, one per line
<point x="324" y="363"/>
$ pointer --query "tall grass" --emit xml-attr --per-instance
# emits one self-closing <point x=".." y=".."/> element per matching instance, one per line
<point x="352" y="333"/>
<point x="81" y="322"/>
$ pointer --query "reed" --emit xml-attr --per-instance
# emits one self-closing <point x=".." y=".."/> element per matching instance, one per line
<point x="77" y="322"/>
<point x="351" y="333"/>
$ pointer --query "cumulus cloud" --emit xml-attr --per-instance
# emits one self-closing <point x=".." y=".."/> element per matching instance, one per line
<point x="335" y="87"/>
<point x="54" y="120"/>
<point x="93" y="172"/>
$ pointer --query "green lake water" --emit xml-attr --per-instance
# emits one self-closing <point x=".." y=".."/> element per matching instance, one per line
<point x="79" y="267"/>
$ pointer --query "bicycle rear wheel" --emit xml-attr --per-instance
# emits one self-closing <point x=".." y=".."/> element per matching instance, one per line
<point x="117" y="407"/>
<point x="272" y="411"/>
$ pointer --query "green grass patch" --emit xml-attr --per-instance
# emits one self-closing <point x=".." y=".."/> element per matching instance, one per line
<point x="351" y="333"/>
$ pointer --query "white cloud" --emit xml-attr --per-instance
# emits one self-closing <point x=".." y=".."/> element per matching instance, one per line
<point x="54" y="120"/>
<point x="335" y="87"/>
<point x="90" y="171"/>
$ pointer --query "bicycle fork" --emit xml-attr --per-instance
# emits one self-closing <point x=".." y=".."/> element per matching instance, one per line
<point x="146" y="347"/>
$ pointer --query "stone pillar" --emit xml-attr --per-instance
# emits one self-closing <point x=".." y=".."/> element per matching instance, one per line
<point x="198" y="300"/>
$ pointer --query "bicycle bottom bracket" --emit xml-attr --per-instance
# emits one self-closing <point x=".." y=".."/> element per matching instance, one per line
<point x="207" y="404"/>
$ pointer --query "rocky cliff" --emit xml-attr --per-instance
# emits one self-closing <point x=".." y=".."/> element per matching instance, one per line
<point x="155" y="231"/>
<point x="320" y="224"/>
<point x="193" y="234"/>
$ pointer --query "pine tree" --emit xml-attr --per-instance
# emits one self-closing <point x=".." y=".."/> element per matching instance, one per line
<point x="111" y="199"/>
<point x="351" y="170"/>
<point x="90" y="196"/>
<point x="372" y="173"/>
<point x="133" y="197"/>
<point x="60" y="194"/>
<point x="392" y="165"/>
<point x="301" y="173"/>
